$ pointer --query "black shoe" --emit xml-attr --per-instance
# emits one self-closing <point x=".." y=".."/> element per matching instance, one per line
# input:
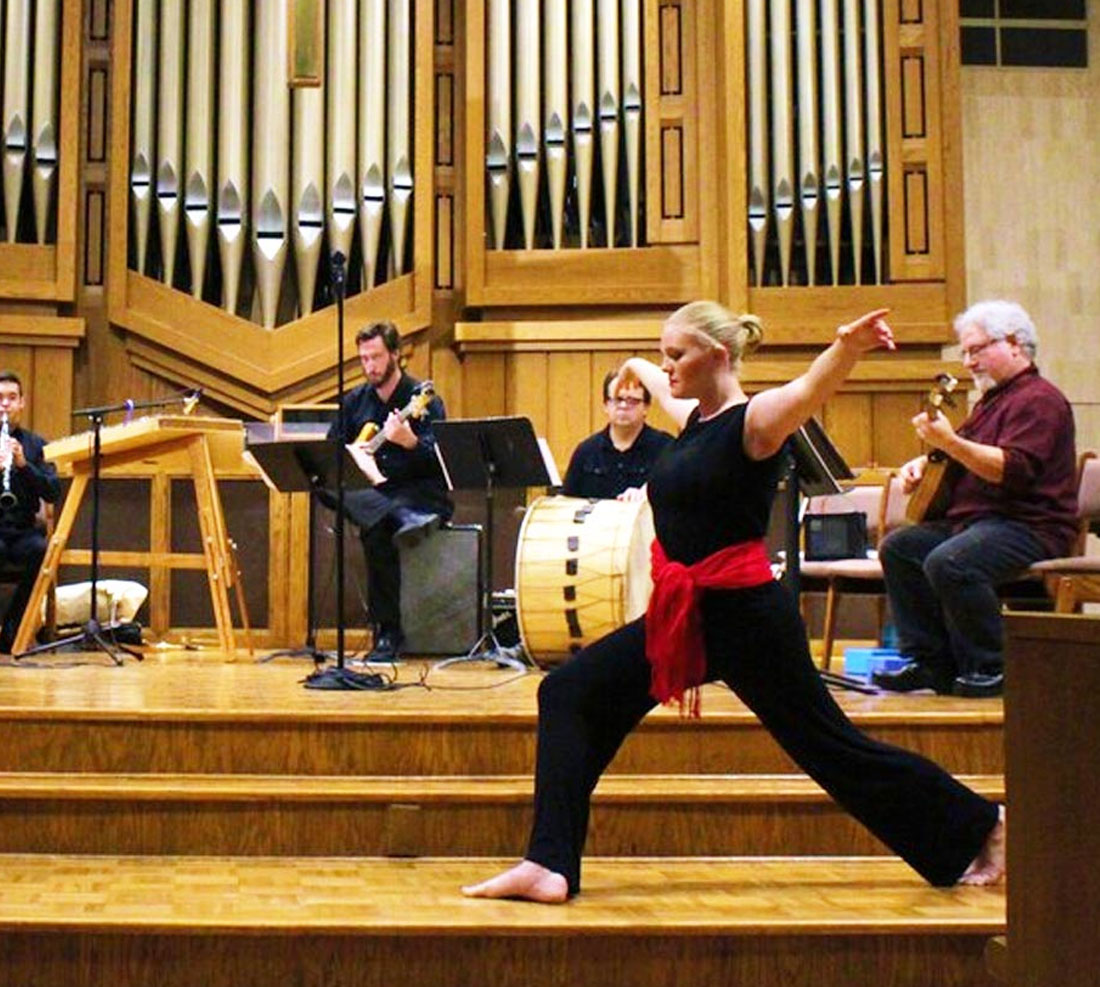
<point x="978" y="685"/>
<point x="387" y="648"/>
<point x="913" y="677"/>
<point x="414" y="527"/>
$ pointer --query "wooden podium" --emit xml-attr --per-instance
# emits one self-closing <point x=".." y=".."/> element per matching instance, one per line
<point x="1052" y="779"/>
<point x="177" y="443"/>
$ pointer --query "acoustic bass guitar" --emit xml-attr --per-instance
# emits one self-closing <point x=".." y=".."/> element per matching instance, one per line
<point x="929" y="500"/>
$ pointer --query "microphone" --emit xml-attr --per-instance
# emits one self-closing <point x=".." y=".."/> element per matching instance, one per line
<point x="190" y="401"/>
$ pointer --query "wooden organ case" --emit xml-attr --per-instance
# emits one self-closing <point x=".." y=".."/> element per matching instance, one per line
<point x="527" y="188"/>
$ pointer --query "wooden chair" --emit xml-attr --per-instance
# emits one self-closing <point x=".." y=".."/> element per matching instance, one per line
<point x="1075" y="579"/>
<point x="878" y="495"/>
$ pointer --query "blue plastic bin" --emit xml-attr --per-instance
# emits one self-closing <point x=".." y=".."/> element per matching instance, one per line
<point x="863" y="661"/>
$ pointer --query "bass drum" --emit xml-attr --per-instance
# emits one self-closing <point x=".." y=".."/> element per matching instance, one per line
<point x="582" y="571"/>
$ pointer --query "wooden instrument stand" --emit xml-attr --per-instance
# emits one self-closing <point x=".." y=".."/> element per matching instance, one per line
<point x="180" y="443"/>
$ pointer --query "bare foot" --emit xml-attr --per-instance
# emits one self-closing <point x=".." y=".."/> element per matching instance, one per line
<point x="989" y="866"/>
<point x="527" y="880"/>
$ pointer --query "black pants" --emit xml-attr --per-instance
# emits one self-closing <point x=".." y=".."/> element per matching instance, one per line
<point x="374" y="513"/>
<point x="24" y="548"/>
<point x="756" y="644"/>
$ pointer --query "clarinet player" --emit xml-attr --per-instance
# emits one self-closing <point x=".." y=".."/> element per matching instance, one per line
<point x="27" y="479"/>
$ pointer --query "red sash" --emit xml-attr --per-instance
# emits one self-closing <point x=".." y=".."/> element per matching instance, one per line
<point x="673" y="627"/>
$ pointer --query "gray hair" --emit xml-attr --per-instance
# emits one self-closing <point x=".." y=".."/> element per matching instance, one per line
<point x="1000" y="319"/>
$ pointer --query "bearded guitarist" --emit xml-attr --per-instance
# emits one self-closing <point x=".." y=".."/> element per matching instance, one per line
<point x="1013" y="501"/>
<point x="409" y="498"/>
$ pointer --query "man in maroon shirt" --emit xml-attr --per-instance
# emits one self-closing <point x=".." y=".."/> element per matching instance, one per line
<point x="1014" y="502"/>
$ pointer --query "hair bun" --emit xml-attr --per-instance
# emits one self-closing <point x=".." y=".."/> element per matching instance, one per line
<point x="752" y="330"/>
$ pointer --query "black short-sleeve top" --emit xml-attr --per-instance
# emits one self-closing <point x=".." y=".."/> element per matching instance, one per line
<point x="706" y="493"/>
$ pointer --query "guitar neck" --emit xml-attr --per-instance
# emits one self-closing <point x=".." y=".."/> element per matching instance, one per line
<point x="415" y="408"/>
<point x="375" y="442"/>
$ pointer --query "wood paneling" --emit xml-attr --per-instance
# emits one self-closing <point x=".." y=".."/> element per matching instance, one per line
<point x="1052" y="728"/>
<point x="694" y="98"/>
<point x="40" y="349"/>
<point x="30" y="271"/>
<point x="921" y="72"/>
<point x="546" y="365"/>
<point x="96" y="138"/>
<point x="672" y="121"/>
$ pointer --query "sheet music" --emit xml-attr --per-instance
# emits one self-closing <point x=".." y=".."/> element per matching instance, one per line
<point x="548" y="461"/>
<point x="366" y="463"/>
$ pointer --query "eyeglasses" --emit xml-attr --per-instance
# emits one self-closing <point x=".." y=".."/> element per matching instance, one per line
<point x="626" y="402"/>
<point x="971" y="352"/>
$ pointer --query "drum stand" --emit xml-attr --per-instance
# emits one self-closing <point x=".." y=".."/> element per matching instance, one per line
<point x="484" y="454"/>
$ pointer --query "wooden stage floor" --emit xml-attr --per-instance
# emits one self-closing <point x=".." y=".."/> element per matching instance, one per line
<point x="211" y="681"/>
<point x="205" y="818"/>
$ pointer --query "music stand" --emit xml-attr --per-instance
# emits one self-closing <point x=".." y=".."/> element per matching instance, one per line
<point x="484" y="454"/>
<point x="814" y="469"/>
<point x="305" y="466"/>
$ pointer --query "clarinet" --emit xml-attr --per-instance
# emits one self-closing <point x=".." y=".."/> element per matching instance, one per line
<point x="8" y="500"/>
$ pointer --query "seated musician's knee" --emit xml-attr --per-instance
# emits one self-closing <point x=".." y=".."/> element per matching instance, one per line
<point x="947" y="568"/>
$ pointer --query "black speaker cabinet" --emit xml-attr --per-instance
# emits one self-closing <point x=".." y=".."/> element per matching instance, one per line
<point x="440" y="592"/>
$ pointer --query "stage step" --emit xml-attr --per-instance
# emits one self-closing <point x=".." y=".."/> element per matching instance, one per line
<point x="70" y="921"/>
<point x="664" y="815"/>
<point x="257" y="719"/>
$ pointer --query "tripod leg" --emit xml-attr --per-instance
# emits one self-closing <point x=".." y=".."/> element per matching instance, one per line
<point x="113" y="647"/>
<point x="39" y="649"/>
<point x="48" y="570"/>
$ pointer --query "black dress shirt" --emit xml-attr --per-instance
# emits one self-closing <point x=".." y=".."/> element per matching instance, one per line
<point x="414" y="473"/>
<point x="598" y="469"/>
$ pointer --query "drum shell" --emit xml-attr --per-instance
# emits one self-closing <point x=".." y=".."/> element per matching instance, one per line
<point x="582" y="571"/>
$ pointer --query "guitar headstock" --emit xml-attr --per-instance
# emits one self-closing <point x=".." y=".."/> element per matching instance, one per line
<point x="421" y="398"/>
<point x="940" y="394"/>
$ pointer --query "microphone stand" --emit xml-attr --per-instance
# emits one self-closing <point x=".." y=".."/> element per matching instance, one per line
<point x="339" y="677"/>
<point x="90" y="637"/>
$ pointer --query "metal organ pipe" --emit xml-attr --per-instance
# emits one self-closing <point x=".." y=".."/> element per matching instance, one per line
<point x="608" y="102"/>
<point x="399" y="92"/>
<point x="270" y="164"/>
<point x="582" y="72"/>
<point x="170" y="131"/>
<point x="198" y="185"/>
<point x="632" y="106"/>
<point x="528" y="124"/>
<point x="44" y="113"/>
<point x="15" y="124"/>
<point x="782" y="143"/>
<point x="340" y="124"/>
<point x="233" y="184"/>
<point x="372" y="133"/>
<point x="809" y="175"/>
<point x="758" y="137"/>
